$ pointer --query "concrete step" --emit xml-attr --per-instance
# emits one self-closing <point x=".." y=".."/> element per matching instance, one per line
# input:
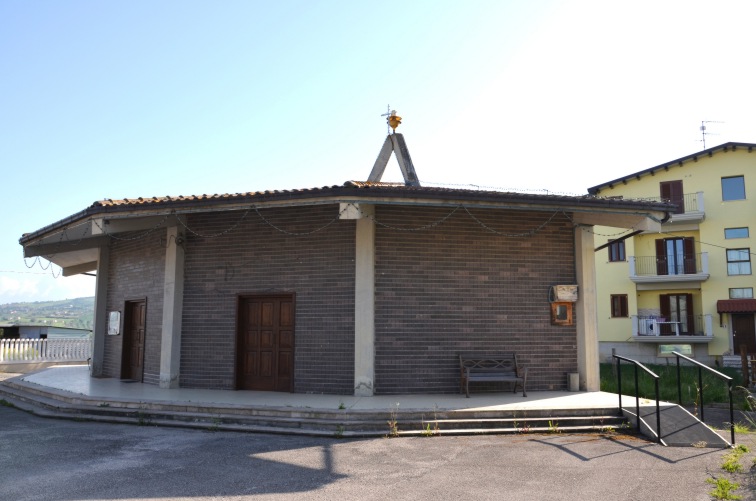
<point x="320" y="422"/>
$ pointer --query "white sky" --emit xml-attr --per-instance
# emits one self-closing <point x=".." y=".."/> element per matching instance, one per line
<point x="141" y="98"/>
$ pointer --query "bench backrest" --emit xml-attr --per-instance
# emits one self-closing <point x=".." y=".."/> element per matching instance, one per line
<point x="498" y="362"/>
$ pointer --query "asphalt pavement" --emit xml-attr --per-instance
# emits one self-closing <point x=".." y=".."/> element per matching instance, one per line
<point x="50" y="459"/>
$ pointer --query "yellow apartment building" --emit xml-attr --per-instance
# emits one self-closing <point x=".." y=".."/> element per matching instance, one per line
<point x="690" y="287"/>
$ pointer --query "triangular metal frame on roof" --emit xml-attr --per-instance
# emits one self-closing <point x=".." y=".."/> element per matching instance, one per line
<point x="397" y="144"/>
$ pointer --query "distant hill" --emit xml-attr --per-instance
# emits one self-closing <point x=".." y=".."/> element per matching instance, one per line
<point x="78" y="313"/>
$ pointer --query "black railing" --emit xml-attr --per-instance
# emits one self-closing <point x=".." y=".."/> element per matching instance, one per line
<point x="718" y="374"/>
<point x="688" y="202"/>
<point x="678" y="264"/>
<point x="636" y="365"/>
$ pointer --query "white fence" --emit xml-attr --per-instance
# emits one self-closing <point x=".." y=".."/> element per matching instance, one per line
<point x="45" y="350"/>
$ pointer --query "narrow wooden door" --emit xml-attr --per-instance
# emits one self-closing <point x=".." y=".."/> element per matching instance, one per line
<point x="265" y="343"/>
<point x="743" y="332"/>
<point x="134" y="323"/>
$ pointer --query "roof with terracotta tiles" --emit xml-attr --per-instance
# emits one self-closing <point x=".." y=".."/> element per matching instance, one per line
<point x="351" y="191"/>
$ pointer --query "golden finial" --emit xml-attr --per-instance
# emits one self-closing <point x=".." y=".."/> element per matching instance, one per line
<point x="393" y="120"/>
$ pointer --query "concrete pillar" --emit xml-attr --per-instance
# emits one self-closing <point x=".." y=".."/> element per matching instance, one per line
<point x="587" y="320"/>
<point x="100" y="329"/>
<point x="364" y="303"/>
<point x="173" y="302"/>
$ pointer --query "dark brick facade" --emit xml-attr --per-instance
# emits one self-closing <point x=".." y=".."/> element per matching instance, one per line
<point x="137" y="270"/>
<point x="458" y="287"/>
<point x="316" y="263"/>
<point x="450" y="288"/>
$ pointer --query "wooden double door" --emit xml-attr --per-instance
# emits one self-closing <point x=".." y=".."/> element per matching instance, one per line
<point x="265" y="343"/>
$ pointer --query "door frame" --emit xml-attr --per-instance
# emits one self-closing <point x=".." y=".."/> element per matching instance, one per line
<point x="240" y="297"/>
<point x="126" y="340"/>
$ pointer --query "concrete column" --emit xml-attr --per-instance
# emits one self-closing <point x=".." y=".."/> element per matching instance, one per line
<point x="173" y="302"/>
<point x="364" y="303"/>
<point x="100" y="312"/>
<point x="587" y="320"/>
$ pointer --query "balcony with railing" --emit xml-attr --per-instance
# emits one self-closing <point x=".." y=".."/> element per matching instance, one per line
<point x="690" y="208"/>
<point x="669" y="268"/>
<point x="687" y="329"/>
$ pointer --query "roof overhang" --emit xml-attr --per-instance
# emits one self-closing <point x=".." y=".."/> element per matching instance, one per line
<point x="73" y="243"/>
<point x="736" y="306"/>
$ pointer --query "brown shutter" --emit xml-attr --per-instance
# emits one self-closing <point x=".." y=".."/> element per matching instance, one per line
<point x="673" y="191"/>
<point x="665" y="313"/>
<point x="661" y="257"/>
<point x="689" y="305"/>
<point x="689" y="255"/>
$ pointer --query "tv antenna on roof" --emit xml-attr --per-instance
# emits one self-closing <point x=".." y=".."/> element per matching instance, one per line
<point x="703" y="130"/>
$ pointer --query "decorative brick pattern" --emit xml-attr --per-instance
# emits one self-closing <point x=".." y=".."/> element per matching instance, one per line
<point x="457" y="287"/>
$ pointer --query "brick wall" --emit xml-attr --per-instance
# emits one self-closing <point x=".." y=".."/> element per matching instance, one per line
<point x="457" y="287"/>
<point x="255" y="257"/>
<point x="452" y="288"/>
<point x="137" y="270"/>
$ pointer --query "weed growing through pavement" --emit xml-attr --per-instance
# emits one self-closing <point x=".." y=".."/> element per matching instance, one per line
<point x="427" y="431"/>
<point x="215" y="423"/>
<point x="732" y="459"/>
<point x="5" y="403"/>
<point x="342" y="406"/>
<point x="553" y="426"/>
<point x="339" y="433"/>
<point x="143" y="419"/>
<point x="392" y="423"/>
<point x="723" y="488"/>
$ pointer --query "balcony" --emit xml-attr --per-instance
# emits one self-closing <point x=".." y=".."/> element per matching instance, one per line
<point x="689" y="210"/>
<point x="670" y="331"/>
<point x="666" y="269"/>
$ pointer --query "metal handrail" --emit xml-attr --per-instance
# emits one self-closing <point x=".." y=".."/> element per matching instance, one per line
<point x="637" y="364"/>
<point x="701" y="388"/>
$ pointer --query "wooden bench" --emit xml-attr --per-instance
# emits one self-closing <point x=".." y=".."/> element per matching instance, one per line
<point x="498" y="367"/>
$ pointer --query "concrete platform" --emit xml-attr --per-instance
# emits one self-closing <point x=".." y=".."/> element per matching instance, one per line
<point x="70" y="392"/>
<point x="76" y="380"/>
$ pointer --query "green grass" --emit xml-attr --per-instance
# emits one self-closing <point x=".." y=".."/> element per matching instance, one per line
<point x="715" y="389"/>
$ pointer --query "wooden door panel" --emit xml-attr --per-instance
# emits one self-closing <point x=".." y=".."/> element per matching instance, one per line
<point x="744" y="332"/>
<point x="250" y="364"/>
<point x="286" y="340"/>
<point x="267" y="340"/>
<point x="266" y="364"/>
<point x="266" y="317"/>
<point x="287" y="314"/>
<point x="132" y="357"/>
<point x="265" y="343"/>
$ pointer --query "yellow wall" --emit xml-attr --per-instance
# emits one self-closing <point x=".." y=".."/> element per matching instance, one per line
<point x="703" y="175"/>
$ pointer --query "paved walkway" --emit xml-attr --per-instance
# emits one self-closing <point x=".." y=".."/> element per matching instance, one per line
<point x="76" y="379"/>
<point x="70" y="460"/>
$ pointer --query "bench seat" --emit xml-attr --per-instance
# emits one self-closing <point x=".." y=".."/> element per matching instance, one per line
<point x="499" y="367"/>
